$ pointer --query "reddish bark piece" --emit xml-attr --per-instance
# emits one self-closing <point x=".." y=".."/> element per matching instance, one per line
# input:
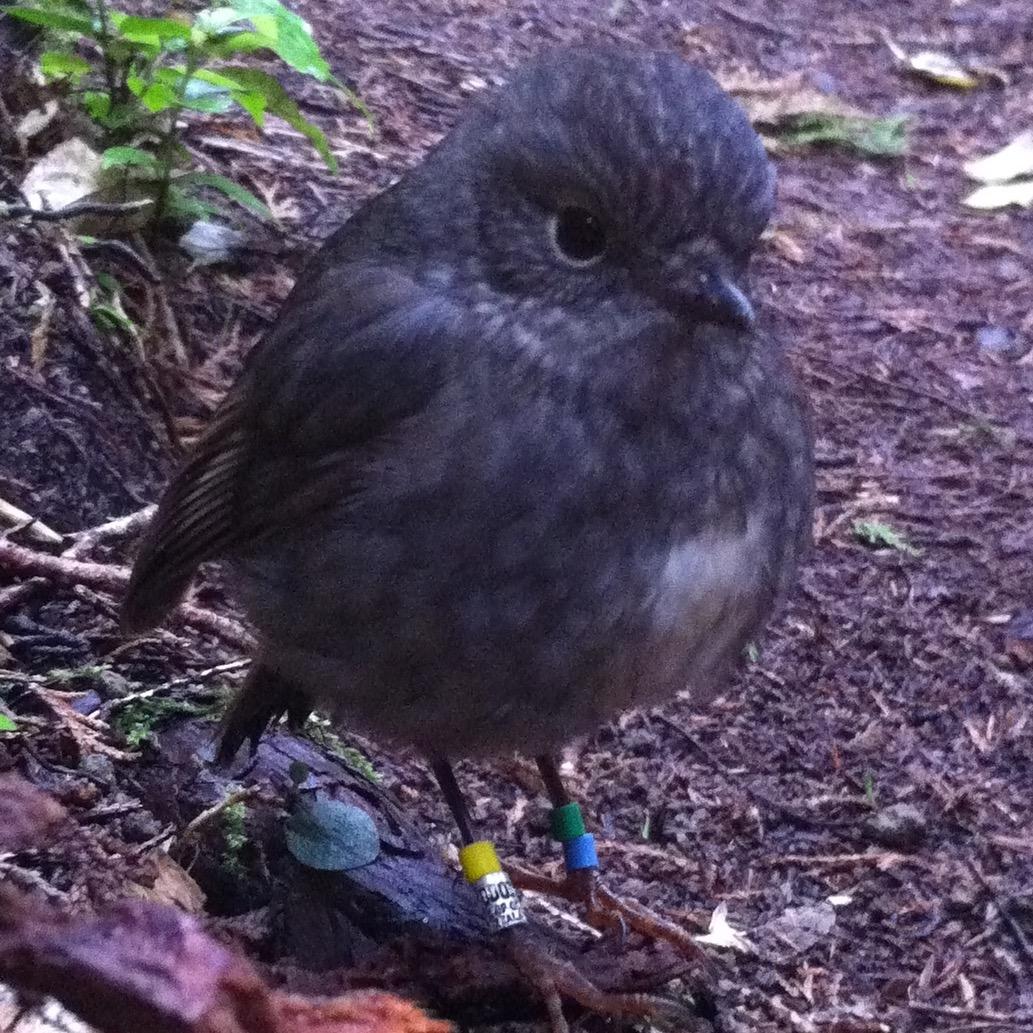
<point x="147" y="967"/>
<point x="27" y="816"/>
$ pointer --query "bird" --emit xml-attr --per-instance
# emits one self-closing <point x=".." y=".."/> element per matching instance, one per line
<point x="516" y="456"/>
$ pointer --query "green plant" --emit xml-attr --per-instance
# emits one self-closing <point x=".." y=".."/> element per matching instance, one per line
<point x="318" y="730"/>
<point x="136" y="77"/>
<point x="880" y="535"/>
<point x="136" y="719"/>
<point x="878" y="137"/>
<point x="234" y="835"/>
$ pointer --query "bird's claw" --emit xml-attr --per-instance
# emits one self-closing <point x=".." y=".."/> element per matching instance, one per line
<point x="556" y="980"/>
<point x="605" y="910"/>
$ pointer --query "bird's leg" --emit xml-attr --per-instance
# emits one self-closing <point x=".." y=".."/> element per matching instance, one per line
<point x="553" y="978"/>
<point x="603" y="908"/>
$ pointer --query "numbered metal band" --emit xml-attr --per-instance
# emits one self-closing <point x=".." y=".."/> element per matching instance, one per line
<point x="500" y="900"/>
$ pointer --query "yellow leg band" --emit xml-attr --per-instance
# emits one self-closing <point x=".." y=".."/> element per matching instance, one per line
<point x="479" y="859"/>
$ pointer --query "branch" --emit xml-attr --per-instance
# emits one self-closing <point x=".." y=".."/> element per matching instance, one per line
<point x="23" y="562"/>
<point x="72" y="211"/>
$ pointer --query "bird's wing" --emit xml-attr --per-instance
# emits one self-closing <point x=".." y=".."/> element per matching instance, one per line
<point x="354" y="353"/>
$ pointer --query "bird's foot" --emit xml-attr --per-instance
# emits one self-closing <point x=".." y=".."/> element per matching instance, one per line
<point x="605" y="910"/>
<point x="557" y="980"/>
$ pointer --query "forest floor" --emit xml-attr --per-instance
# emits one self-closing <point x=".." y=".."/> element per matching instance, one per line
<point x="860" y="799"/>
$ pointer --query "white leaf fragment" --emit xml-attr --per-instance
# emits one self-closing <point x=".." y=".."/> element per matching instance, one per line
<point x="1010" y="162"/>
<point x="720" y="933"/>
<point x="1001" y="195"/>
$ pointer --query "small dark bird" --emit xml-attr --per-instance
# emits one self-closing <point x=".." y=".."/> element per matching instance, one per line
<point x="514" y="458"/>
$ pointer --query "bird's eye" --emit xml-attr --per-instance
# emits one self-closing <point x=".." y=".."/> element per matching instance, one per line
<point x="578" y="236"/>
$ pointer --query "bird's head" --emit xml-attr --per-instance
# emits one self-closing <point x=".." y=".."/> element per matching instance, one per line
<point x="601" y="179"/>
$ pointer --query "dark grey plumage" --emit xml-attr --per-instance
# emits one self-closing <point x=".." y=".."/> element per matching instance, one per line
<point x="480" y="493"/>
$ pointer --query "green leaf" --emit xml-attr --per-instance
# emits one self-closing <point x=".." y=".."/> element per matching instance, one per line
<point x="114" y="157"/>
<point x="181" y="207"/>
<point x="286" y="35"/>
<point x="251" y="101"/>
<point x="6" y="724"/>
<point x="881" y="535"/>
<point x="97" y="104"/>
<point x="232" y="190"/>
<point x="61" y="19"/>
<point x="55" y="64"/>
<point x="331" y="836"/>
<point x="238" y="43"/>
<point x="205" y="96"/>
<point x="110" y="317"/>
<point x="879" y="137"/>
<point x="216" y="20"/>
<point x="152" y="31"/>
<point x="278" y="102"/>
<point x="159" y="97"/>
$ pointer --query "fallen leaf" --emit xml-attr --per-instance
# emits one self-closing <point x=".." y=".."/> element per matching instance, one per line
<point x="878" y="137"/>
<point x="945" y="70"/>
<point x="879" y="534"/>
<point x="68" y="173"/>
<point x="173" y="885"/>
<point x="773" y="102"/>
<point x="1010" y="162"/>
<point x="1001" y="195"/>
<point x="791" y="111"/>
<point x="332" y="836"/>
<point x="33" y="122"/>
<point x="941" y="69"/>
<point x="800" y="928"/>
<point x="720" y="933"/>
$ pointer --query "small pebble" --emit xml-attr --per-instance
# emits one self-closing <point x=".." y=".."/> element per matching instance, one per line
<point x="996" y="339"/>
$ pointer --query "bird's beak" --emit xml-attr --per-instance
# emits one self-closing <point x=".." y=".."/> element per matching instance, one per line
<point x="719" y="299"/>
<point x="704" y="291"/>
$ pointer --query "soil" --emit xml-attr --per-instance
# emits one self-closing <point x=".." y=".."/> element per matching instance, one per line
<point x="860" y="797"/>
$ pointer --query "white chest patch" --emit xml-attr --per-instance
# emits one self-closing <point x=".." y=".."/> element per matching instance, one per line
<point x="704" y="575"/>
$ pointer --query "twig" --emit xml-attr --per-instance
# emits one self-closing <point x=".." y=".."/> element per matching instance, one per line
<point x="15" y="517"/>
<point x="1003" y="905"/>
<point x="883" y="858"/>
<point x="71" y="211"/>
<point x="110" y="578"/>
<point x="210" y="814"/>
<point x="17" y="594"/>
<point x="123" y="250"/>
<point x="950" y="1012"/>
<point x="113" y="531"/>
<point x="752" y="21"/>
<point x="105" y="711"/>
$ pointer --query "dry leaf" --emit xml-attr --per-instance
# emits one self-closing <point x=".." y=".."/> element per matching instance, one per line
<point x="35" y="121"/>
<point x="774" y="102"/>
<point x="941" y="69"/>
<point x="172" y="885"/>
<point x="64" y="175"/>
<point x="1001" y="195"/>
<point x="1010" y="162"/>
<point x="721" y="933"/>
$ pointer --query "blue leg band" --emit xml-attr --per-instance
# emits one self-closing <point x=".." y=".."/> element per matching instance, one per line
<point x="580" y="853"/>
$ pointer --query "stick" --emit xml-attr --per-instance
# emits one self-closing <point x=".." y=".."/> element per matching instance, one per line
<point x="113" y="579"/>
<point x="15" y="517"/>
